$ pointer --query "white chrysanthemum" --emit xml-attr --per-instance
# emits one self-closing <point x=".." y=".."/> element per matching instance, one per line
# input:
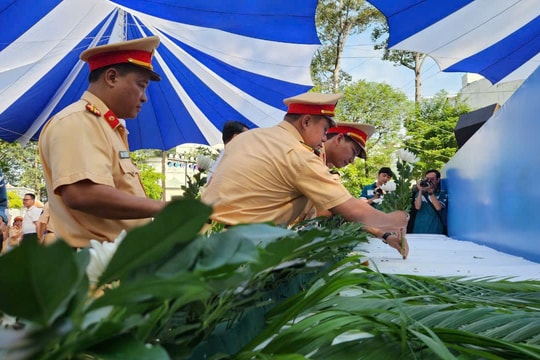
<point x="407" y="156"/>
<point x="204" y="163"/>
<point x="101" y="254"/>
<point x="389" y="186"/>
<point x="7" y="320"/>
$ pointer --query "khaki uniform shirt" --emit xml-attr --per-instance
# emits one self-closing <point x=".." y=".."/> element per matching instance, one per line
<point x="45" y="218"/>
<point x="87" y="143"/>
<point x="267" y="174"/>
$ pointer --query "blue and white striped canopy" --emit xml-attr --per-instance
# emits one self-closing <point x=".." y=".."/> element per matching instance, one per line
<point x="499" y="39"/>
<point x="220" y="60"/>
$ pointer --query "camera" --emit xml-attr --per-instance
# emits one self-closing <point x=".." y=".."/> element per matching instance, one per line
<point x="425" y="183"/>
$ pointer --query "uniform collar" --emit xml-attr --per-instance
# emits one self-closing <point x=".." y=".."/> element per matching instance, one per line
<point x="291" y="129"/>
<point x="287" y="126"/>
<point x="94" y="100"/>
<point x="103" y="110"/>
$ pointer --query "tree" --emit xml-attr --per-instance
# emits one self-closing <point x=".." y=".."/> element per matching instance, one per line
<point x="150" y="178"/>
<point x="387" y="109"/>
<point x="14" y="200"/>
<point x="410" y="59"/>
<point x="336" y="20"/>
<point x="431" y="133"/>
<point x="22" y="166"/>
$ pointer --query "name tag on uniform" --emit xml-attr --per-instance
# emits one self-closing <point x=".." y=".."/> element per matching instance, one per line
<point x="124" y="154"/>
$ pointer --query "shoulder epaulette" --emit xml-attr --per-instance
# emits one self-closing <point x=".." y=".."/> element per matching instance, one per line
<point x="94" y="110"/>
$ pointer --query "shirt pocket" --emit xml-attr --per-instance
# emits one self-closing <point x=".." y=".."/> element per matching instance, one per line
<point x="128" y="167"/>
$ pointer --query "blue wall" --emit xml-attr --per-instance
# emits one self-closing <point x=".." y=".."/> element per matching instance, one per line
<point x="494" y="179"/>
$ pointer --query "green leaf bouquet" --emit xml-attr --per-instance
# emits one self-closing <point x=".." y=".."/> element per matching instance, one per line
<point x="192" y="190"/>
<point x="398" y="193"/>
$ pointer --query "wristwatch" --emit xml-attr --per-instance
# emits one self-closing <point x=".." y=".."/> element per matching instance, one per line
<point x="385" y="236"/>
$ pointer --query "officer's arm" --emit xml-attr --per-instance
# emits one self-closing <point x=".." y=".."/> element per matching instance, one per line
<point x="108" y="202"/>
<point x="359" y="211"/>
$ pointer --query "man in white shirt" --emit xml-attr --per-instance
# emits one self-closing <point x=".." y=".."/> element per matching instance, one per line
<point x="31" y="217"/>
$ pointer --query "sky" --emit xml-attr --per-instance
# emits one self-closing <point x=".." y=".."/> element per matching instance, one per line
<point x="362" y="62"/>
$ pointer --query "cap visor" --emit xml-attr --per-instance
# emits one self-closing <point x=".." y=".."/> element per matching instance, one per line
<point x="332" y="121"/>
<point x="363" y="153"/>
<point x="154" y="76"/>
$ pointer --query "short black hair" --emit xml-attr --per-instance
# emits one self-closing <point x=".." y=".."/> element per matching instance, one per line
<point x="347" y="137"/>
<point x="122" y="68"/>
<point x="386" y="170"/>
<point x="437" y="173"/>
<point x="231" y="128"/>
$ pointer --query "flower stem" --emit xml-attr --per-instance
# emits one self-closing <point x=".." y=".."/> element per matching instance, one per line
<point x="403" y="243"/>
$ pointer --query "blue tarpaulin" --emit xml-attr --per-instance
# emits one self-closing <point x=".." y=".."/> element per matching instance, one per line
<point x="220" y="61"/>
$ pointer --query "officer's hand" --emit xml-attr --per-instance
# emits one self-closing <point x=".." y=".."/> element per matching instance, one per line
<point x="396" y="242"/>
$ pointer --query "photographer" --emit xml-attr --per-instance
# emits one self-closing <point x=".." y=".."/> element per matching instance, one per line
<point x="373" y="193"/>
<point x="430" y="203"/>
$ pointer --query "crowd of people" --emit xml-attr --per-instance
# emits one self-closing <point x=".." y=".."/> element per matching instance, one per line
<point x="277" y="174"/>
<point x="35" y="224"/>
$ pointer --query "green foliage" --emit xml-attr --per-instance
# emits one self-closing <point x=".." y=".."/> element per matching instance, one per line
<point x="175" y="286"/>
<point x="195" y="183"/>
<point x="336" y="20"/>
<point x="431" y="132"/>
<point x="380" y="34"/>
<point x="353" y="177"/>
<point x="14" y="200"/>
<point x="178" y="288"/>
<point x="387" y="109"/>
<point x="22" y="166"/>
<point x="49" y="295"/>
<point x="409" y="59"/>
<point x="395" y="316"/>
<point x="400" y="199"/>
<point x="150" y="178"/>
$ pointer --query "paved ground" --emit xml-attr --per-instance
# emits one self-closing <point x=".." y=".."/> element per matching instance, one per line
<point x="438" y="255"/>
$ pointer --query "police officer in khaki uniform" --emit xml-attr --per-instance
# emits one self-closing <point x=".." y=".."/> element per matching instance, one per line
<point x="270" y="174"/>
<point x="46" y="227"/>
<point x="94" y="188"/>
<point x="346" y="141"/>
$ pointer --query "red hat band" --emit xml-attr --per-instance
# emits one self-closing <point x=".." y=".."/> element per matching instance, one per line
<point x="311" y="109"/>
<point x="351" y="132"/>
<point x="136" y="57"/>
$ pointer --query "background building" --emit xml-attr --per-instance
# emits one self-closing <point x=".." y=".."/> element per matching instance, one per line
<point x="178" y="166"/>
<point x="479" y="92"/>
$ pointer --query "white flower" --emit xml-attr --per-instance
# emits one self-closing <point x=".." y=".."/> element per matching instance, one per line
<point x="204" y="163"/>
<point x="7" y="320"/>
<point x="101" y="254"/>
<point x="407" y="156"/>
<point x="389" y="186"/>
